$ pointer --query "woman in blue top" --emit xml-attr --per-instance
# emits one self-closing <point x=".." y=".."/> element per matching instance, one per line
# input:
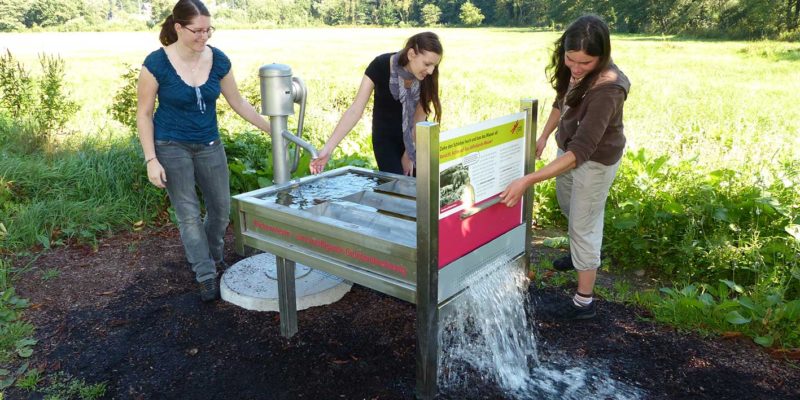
<point x="181" y="140"/>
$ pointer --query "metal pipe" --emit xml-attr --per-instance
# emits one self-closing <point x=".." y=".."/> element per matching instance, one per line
<point x="302" y="143"/>
<point x="280" y="166"/>
<point x="476" y="209"/>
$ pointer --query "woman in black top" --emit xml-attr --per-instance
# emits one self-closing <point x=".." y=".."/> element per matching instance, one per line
<point x="406" y="84"/>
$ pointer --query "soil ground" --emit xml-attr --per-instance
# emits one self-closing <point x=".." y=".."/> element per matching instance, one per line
<point x="127" y="313"/>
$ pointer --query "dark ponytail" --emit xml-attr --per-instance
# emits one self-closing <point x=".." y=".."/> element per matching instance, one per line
<point x="183" y="13"/>
<point x="168" y="35"/>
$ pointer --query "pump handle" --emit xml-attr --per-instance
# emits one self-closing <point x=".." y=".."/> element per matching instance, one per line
<point x="299" y="95"/>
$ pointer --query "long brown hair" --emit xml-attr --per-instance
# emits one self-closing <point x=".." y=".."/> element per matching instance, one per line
<point x="429" y="91"/>
<point x="183" y="13"/>
<point x="588" y="34"/>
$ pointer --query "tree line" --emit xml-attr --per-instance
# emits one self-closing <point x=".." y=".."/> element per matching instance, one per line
<point x="725" y="18"/>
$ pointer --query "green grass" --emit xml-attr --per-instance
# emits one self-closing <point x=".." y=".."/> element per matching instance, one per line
<point x="707" y="191"/>
<point x="30" y="381"/>
<point x="77" y="193"/>
<point x="719" y="100"/>
<point x="63" y="386"/>
<point x="15" y="334"/>
<point x="15" y="340"/>
<point x="50" y="274"/>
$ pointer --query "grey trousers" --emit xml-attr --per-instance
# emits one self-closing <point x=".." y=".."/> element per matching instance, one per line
<point x="582" y="194"/>
<point x="188" y="165"/>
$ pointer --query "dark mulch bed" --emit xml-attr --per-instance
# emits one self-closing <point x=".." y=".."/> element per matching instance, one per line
<point x="128" y="314"/>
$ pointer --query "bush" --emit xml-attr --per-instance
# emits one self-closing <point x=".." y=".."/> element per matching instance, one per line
<point x="750" y="19"/>
<point x="50" y="12"/>
<point x="16" y="87"/>
<point x="55" y="107"/>
<point x="470" y="15"/>
<point x="790" y="36"/>
<point x="249" y="160"/>
<point x="387" y="14"/>
<point x="698" y="226"/>
<point x="42" y="104"/>
<point x="159" y="10"/>
<point x="123" y="106"/>
<point x="431" y="14"/>
<point x="11" y="12"/>
<point x="76" y="25"/>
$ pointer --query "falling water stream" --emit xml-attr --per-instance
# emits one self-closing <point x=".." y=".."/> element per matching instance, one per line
<point x="489" y="338"/>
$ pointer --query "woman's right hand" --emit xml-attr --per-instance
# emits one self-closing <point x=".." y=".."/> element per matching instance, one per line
<point x="541" y="143"/>
<point x="156" y="174"/>
<point x="317" y="165"/>
<point x="514" y="192"/>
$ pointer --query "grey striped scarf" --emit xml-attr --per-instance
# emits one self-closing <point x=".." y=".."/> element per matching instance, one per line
<point x="408" y="97"/>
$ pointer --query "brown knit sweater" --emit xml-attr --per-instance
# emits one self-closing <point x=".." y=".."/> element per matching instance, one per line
<point x="593" y="129"/>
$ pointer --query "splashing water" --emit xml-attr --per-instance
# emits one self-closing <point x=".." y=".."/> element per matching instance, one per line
<point x="489" y="337"/>
<point x="489" y="332"/>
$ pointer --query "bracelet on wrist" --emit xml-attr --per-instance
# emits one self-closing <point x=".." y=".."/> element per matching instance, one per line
<point x="147" y="161"/>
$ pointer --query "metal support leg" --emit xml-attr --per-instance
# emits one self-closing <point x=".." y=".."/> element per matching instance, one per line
<point x="287" y="299"/>
<point x="238" y="240"/>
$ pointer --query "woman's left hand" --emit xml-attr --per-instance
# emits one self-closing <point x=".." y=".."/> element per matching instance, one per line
<point x="408" y="165"/>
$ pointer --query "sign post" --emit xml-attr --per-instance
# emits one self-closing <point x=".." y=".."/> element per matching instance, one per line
<point x="427" y="258"/>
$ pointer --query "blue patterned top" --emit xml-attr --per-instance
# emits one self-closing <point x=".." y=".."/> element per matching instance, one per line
<point x="186" y="113"/>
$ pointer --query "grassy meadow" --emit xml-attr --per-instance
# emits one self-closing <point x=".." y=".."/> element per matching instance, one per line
<point x="706" y="199"/>
<point x="720" y="101"/>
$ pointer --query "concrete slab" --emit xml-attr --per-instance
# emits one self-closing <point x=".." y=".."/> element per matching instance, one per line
<point x="251" y="284"/>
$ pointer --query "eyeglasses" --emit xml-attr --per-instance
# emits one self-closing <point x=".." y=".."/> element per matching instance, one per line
<point x="200" y="32"/>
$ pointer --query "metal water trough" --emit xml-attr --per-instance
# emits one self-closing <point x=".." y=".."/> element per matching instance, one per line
<point x="379" y="230"/>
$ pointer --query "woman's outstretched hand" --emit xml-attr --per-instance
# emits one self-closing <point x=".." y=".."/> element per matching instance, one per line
<point x="513" y="193"/>
<point x="317" y="165"/>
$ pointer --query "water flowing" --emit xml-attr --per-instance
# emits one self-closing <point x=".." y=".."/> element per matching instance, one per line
<point x="489" y="332"/>
<point x="489" y="338"/>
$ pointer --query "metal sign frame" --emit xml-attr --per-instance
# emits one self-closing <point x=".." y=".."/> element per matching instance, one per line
<point x="431" y="308"/>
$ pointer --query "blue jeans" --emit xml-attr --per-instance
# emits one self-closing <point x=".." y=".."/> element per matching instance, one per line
<point x="188" y="165"/>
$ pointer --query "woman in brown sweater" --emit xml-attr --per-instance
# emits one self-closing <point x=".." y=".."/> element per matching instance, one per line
<point x="590" y="94"/>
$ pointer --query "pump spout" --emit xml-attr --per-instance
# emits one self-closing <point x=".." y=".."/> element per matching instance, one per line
<point x="302" y="143"/>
